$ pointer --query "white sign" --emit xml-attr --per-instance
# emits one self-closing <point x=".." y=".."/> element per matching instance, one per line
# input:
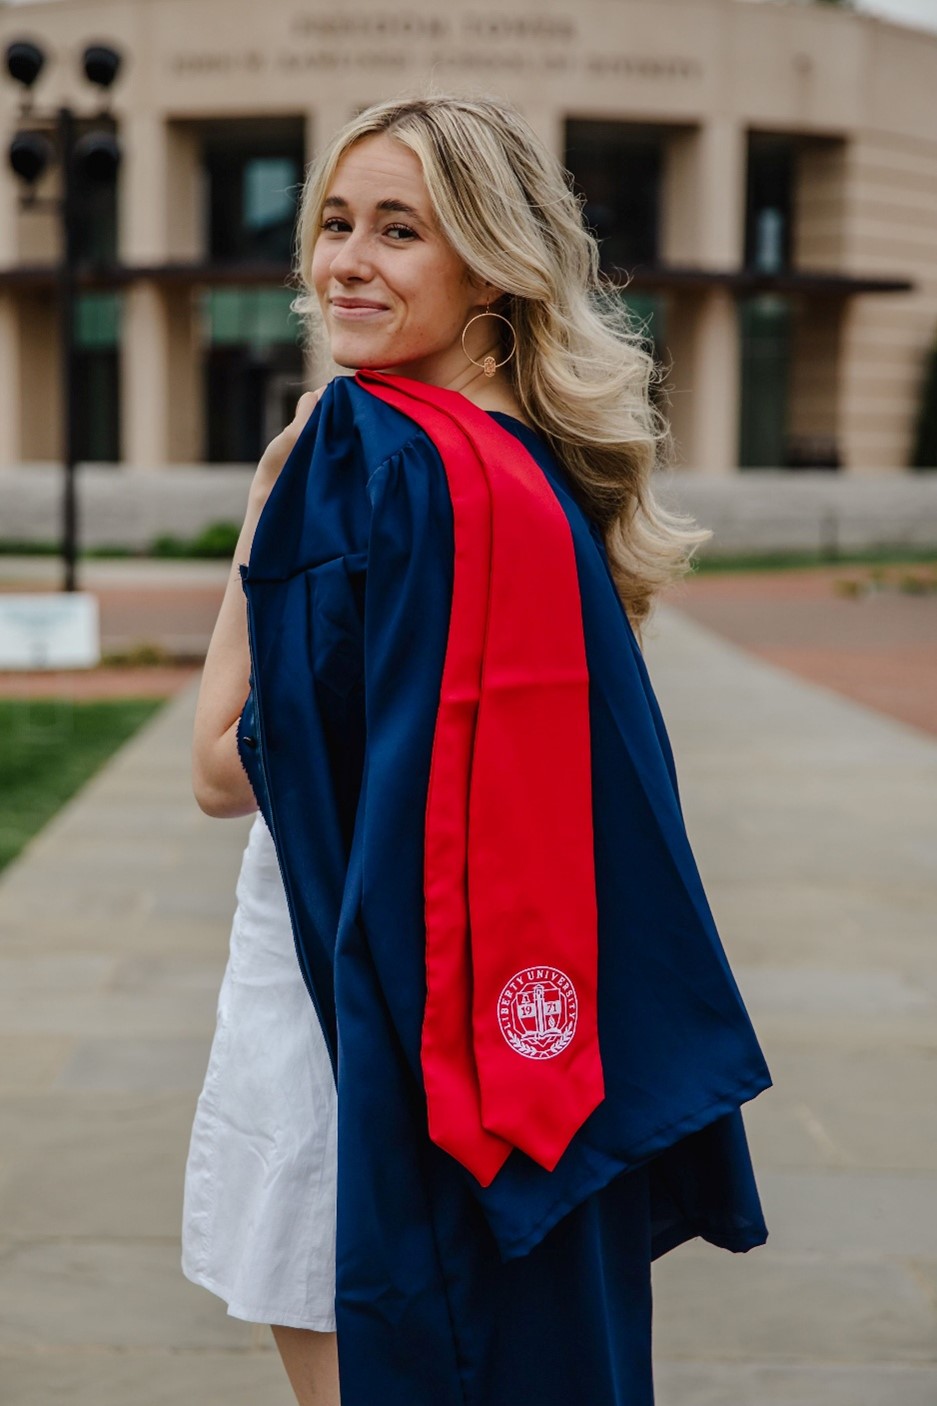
<point x="49" y="631"/>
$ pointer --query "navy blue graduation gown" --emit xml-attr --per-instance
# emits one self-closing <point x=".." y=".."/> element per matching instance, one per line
<point x="535" y="1289"/>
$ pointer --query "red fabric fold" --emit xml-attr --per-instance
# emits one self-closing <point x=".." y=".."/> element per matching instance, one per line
<point x="510" y="1052"/>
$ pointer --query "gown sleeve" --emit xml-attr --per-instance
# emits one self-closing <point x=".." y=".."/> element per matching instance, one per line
<point x="301" y="734"/>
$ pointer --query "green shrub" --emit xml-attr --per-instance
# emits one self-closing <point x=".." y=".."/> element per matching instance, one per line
<point x="218" y="539"/>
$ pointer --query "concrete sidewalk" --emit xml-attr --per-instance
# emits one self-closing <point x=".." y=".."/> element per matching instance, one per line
<point x="813" y="821"/>
<point x="113" y="936"/>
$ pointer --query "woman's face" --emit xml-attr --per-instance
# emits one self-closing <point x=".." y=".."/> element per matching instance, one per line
<point x="393" y="293"/>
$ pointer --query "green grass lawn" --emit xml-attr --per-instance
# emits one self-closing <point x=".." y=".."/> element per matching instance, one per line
<point x="48" y="749"/>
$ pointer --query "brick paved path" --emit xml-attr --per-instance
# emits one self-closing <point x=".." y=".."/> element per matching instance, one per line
<point x="879" y="648"/>
<point x="166" y="604"/>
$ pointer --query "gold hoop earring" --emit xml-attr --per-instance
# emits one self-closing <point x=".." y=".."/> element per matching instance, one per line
<point x="489" y="365"/>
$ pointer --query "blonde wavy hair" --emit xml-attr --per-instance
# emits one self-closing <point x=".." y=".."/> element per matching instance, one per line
<point x="581" y="372"/>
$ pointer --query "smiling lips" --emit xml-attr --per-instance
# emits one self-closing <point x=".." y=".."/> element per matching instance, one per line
<point x="354" y="308"/>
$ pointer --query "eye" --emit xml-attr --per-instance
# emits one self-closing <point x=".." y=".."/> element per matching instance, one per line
<point x="333" y="220"/>
<point x="403" y="230"/>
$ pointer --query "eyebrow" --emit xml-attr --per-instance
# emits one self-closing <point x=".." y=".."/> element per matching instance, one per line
<point x="397" y="207"/>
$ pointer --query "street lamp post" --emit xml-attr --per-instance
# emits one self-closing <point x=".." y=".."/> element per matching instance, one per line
<point x="68" y="379"/>
<point x="96" y="154"/>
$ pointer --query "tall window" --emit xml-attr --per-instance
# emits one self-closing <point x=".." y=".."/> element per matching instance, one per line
<point x="253" y="364"/>
<point x="97" y="375"/>
<point x="765" y="320"/>
<point x="765" y="330"/>
<point x="253" y="176"/>
<point x="617" y="166"/>
<point x="769" y="202"/>
<point x="253" y="369"/>
<point x="648" y="314"/>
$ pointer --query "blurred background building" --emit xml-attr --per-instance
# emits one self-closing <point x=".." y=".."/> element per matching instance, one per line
<point x="763" y="178"/>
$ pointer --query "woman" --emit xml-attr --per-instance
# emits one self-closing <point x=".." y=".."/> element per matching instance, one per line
<point x="539" y="1049"/>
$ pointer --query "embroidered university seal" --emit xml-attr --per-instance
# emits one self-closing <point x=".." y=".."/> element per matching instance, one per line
<point x="537" y="1012"/>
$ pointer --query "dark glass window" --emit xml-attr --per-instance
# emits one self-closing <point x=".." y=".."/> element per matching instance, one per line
<point x="253" y="369"/>
<point x="649" y="317"/>
<point x="765" y="329"/>
<point x="254" y="175"/>
<point x="97" y="377"/>
<point x="617" y="167"/>
<point x="647" y="312"/>
<point x="769" y="201"/>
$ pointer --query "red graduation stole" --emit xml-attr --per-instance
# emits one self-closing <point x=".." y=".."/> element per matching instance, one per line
<point x="509" y="1052"/>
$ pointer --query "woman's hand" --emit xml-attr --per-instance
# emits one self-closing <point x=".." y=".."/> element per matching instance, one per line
<point x="219" y="780"/>
<point x="278" y="450"/>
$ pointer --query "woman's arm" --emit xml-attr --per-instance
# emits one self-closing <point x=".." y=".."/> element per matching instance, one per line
<point x="218" y="779"/>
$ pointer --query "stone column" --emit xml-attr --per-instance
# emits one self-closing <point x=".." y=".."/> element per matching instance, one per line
<point x="820" y="210"/>
<point x="187" y="409"/>
<point x="160" y="223"/>
<point x="703" y="199"/>
<point x="146" y="357"/>
<point x="10" y="382"/>
<point x="703" y="342"/>
<point x="159" y="214"/>
<point x="703" y="225"/>
<point x="720" y="166"/>
<point x="679" y="198"/>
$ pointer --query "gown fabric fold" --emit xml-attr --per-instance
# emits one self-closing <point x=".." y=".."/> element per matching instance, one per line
<point x="537" y="1286"/>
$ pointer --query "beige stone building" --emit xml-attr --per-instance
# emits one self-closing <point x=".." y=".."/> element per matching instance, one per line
<point x="762" y="176"/>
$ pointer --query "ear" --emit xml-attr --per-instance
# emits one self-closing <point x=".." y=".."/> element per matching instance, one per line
<point x="486" y="292"/>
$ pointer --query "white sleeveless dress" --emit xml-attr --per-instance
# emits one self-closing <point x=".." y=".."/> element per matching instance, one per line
<point x="258" y="1222"/>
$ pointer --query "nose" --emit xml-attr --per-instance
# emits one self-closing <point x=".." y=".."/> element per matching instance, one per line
<point x="350" y="262"/>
